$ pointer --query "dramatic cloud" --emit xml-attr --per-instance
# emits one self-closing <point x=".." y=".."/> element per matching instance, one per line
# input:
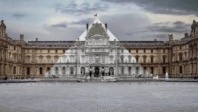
<point x="17" y="15"/>
<point x="126" y="26"/>
<point x="178" y="7"/>
<point x="127" y="19"/>
<point x="61" y="25"/>
<point x="81" y="22"/>
<point x="167" y="27"/>
<point x="84" y="8"/>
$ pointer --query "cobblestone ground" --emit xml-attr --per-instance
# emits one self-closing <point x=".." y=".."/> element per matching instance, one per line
<point x="99" y="97"/>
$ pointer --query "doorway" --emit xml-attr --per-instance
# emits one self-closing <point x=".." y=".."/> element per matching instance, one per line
<point x="97" y="71"/>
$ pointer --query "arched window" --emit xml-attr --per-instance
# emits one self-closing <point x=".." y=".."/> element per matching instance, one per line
<point x="82" y="70"/>
<point x="40" y="58"/>
<point x="48" y="59"/>
<point x="111" y="71"/>
<point x="56" y="58"/>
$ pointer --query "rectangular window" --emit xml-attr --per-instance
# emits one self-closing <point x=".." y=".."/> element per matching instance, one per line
<point x="137" y="59"/>
<point x="151" y="59"/>
<point x="164" y="50"/>
<point x="14" y="71"/>
<point x="164" y="59"/>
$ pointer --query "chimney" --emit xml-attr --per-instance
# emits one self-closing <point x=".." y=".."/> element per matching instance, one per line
<point x="106" y="26"/>
<point x="87" y="26"/>
<point x="155" y="39"/>
<point x="21" y="37"/>
<point x="186" y="35"/>
<point x="36" y="39"/>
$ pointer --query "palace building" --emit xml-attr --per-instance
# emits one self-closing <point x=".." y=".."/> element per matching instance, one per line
<point x="97" y="52"/>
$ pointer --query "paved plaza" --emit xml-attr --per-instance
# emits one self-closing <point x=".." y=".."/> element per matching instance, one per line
<point x="99" y="97"/>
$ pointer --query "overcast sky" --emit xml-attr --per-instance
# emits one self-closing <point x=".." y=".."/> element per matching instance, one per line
<point x="127" y="19"/>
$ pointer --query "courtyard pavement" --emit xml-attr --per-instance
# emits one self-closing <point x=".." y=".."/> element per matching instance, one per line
<point x="99" y="97"/>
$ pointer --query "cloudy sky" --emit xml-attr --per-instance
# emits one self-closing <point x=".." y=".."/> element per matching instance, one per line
<point x="127" y="19"/>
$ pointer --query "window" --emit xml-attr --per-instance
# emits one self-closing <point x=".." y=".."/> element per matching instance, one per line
<point x="164" y="59"/>
<point x="152" y="59"/>
<point x="71" y="70"/>
<point x="129" y="57"/>
<point x="40" y="58"/>
<point x="164" y="70"/>
<point x="56" y="70"/>
<point x="48" y="51"/>
<point x="41" y="70"/>
<point x="144" y="59"/>
<point x="137" y="59"/>
<point x="122" y="70"/>
<point x="152" y="70"/>
<point x="48" y="58"/>
<point x="164" y="50"/>
<point x="48" y="69"/>
<point x="144" y="70"/>
<point x="28" y="70"/>
<point x="56" y="58"/>
<point x="122" y="59"/>
<point x="151" y="50"/>
<point x="14" y="70"/>
<point x="137" y="70"/>
<point x="180" y="57"/>
<point x="144" y="50"/>
<point x="136" y="50"/>
<point x="180" y="70"/>
<point x="129" y="70"/>
<point x="63" y="70"/>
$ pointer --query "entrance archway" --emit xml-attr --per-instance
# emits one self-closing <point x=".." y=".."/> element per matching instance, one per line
<point x="83" y="71"/>
<point x="111" y="71"/>
<point x="97" y="71"/>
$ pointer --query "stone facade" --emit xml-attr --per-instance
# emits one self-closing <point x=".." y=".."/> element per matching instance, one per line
<point x="97" y="56"/>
